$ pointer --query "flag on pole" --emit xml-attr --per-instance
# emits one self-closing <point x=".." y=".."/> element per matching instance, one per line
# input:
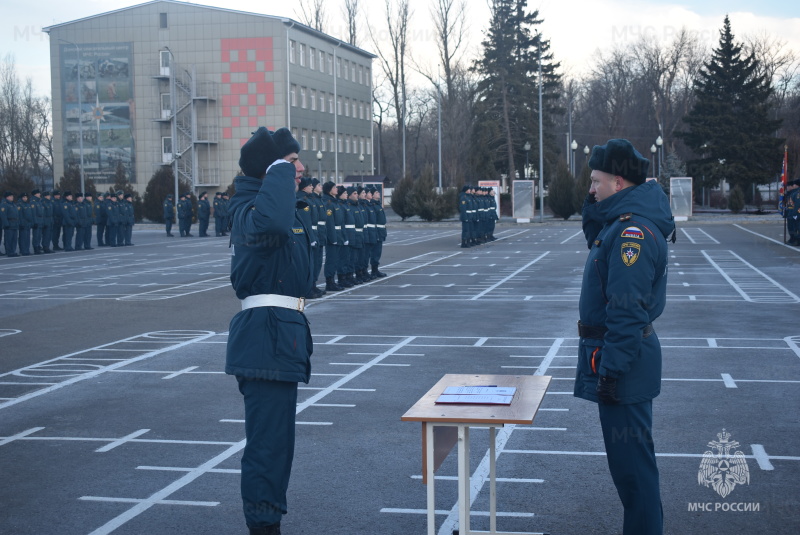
<point x="784" y="179"/>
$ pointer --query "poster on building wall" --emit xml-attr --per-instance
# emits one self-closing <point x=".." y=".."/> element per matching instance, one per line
<point x="98" y="108"/>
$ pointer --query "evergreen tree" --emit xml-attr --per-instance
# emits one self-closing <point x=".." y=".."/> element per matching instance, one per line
<point x="729" y="127"/>
<point x="161" y="184"/>
<point x="561" y="195"/>
<point x="401" y="198"/>
<point x="506" y="111"/>
<point x="582" y="186"/>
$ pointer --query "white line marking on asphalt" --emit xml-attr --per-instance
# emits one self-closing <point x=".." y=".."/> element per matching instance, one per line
<point x="768" y="238"/>
<point x="480" y="342"/>
<point x="22" y="434"/>
<point x="761" y="457"/>
<point x="498" y="479"/>
<point x="119" y="442"/>
<point x="728" y="380"/>
<point x="180" y="372"/>
<point x="443" y="512"/>
<point x="520" y="270"/>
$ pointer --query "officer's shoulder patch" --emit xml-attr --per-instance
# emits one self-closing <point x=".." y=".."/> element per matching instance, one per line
<point x="330" y="212"/>
<point x="298" y="230"/>
<point x="632" y="232"/>
<point x="626" y="217"/>
<point x="630" y="253"/>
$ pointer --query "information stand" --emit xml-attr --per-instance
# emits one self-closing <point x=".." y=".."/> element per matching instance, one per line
<point x="528" y="396"/>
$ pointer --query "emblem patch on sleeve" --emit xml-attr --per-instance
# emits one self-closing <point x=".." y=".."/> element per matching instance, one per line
<point x="633" y="232"/>
<point x="330" y="212"/>
<point x="630" y="253"/>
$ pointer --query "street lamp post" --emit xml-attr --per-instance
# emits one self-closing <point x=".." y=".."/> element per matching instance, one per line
<point x="361" y="159"/>
<point x="659" y="143"/>
<point x="80" y="105"/>
<point x="586" y="152"/>
<point x="541" y="138"/>
<point x="653" y="150"/>
<point x="319" y="165"/>
<point x="573" y="146"/>
<point x="527" y="147"/>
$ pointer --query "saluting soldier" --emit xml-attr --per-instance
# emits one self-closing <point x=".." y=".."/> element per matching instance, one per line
<point x="334" y="221"/>
<point x="169" y="214"/>
<point x="380" y="225"/>
<point x="101" y="217"/>
<point x="47" y="228"/>
<point x="38" y="220"/>
<point x="203" y="214"/>
<point x="57" y="220"/>
<point x="69" y="218"/>
<point x="9" y="216"/>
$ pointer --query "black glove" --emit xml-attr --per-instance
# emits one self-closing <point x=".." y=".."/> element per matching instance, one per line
<point x="607" y="390"/>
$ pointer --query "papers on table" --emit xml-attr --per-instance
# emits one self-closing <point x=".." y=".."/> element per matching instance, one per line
<point x="478" y="395"/>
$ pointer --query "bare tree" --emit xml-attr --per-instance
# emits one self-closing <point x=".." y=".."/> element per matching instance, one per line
<point x="393" y="60"/>
<point x="312" y="13"/>
<point x="450" y="20"/>
<point x="350" y="11"/>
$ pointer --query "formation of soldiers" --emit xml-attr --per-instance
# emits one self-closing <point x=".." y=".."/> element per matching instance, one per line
<point x="477" y="209"/>
<point x="185" y="214"/>
<point x="349" y="225"/>
<point x="46" y="221"/>
<point x="791" y="211"/>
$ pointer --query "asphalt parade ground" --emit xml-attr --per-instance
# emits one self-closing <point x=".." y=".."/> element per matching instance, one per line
<point x="116" y="417"/>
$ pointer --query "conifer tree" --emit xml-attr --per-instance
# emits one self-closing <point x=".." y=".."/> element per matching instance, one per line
<point x="729" y="128"/>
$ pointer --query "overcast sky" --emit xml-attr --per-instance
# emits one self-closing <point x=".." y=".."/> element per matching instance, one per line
<point x="575" y="28"/>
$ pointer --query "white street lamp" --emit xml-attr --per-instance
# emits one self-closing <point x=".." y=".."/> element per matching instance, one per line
<point x="653" y="150"/>
<point x="659" y="143"/>
<point x="573" y="146"/>
<point x="319" y="165"/>
<point x="361" y="159"/>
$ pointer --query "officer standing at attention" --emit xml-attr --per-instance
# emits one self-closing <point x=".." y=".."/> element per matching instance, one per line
<point x="626" y="222"/>
<point x="334" y="228"/>
<point x="203" y="214"/>
<point x="463" y="216"/>
<point x="370" y="232"/>
<point x="89" y="207"/>
<point x="9" y="217"/>
<point x="25" y="224"/>
<point x="219" y="215"/>
<point x="380" y="224"/>
<point x="349" y="228"/>
<point x="37" y="208"/>
<point x="129" y="220"/>
<point x="57" y="219"/>
<point x="47" y="229"/>
<point x="114" y="220"/>
<point x="69" y="218"/>
<point x="80" y="221"/>
<point x="226" y="224"/>
<point x="309" y="217"/>
<point x="269" y="341"/>
<point x="322" y="228"/>
<point x="101" y="217"/>
<point x="182" y="215"/>
<point x="169" y="214"/>
<point x="791" y="211"/>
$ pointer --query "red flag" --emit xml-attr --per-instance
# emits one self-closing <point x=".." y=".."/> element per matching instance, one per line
<point x="784" y="179"/>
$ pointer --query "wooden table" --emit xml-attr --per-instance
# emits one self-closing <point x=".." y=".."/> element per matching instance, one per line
<point x="522" y="410"/>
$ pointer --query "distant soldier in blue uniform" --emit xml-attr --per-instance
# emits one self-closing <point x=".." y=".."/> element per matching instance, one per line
<point x="463" y="216"/>
<point x="370" y="232"/>
<point x="57" y="220"/>
<point x="334" y="221"/>
<point x="89" y="207"/>
<point x="269" y="341"/>
<point x="322" y="228"/>
<point x="101" y="218"/>
<point x="791" y="211"/>
<point x="309" y="217"/>
<point x="38" y="221"/>
<point x="69" y="218"/>
<point x="169" y="214"/>
<point x="219" y="213"/>
<point x="493" y="217"/>
<point x="203" y="214"/>
<point x="129" y="219"/>
<point x="349" y="229"/>
<point x="626" y="222"/>
<point x="81" y="222"/>
<point x="25" y="224"/>
<point x="380" y="224"/>
<point x="114" y="220"/>
<point x="9" y="217"/>
<point x="357" y="243"/>
<point x="227" y="223"/>
<point x="47" y="229"/>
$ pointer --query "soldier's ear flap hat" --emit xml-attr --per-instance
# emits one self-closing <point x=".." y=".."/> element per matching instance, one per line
<point x="304" y="182"/>
<point x="314" y="182"/>
<point x="327" y="187"/>
<point x="34" y="192"/>
<point x="8" y="193"/>
<point x="263" y="148"/>
<point x="618" y="157"/>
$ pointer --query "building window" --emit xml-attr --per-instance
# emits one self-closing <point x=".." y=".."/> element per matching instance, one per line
<point x="360" y="74"/>
<point x="360" y="110"/>
<point x="313" y="140"/>
<point x="346" y="68"/>
<point x="330" y="104"/>
<point x="304" y="139"/>
<point x="166" y="149"/>
<point x="330" y="141"/>
<point x="322" y="141"/>
<point x="321" y="61"/>
<point x="302" y="55"/>
<point x="361" y="141"/>
<point x="322" y="101"/>
<point x="162" y="20"/>
<point x="294" y="133"/>
<point x="292" y="54"/>
<point x="330" y="63"/>
<point x="353" y="72"/>
<point x="312" y="56"/>
<point x="338" y="67"/>
<point x="313" y="98"/>
<point x="347" y="144"/>
<point x="368" y="80"/>
<point x="347" y="107"/>
<point x="303" y="99"/>
<point x="338" y="105"/>
<point x="166" y="106"/>
<point x="293" y="95"/>
<point x="369" y="147"/>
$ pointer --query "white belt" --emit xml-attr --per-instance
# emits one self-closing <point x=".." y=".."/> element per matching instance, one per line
<point x="381" y="226"/>
<point x="349" y="226"/>
<point x="359" y="230"/>
<point x="321" y="223"/>
<point x="274" y="300"/>
<point x="313" y="227"/>
<point x="338" y="227"/>
<point x="370" y="225"/>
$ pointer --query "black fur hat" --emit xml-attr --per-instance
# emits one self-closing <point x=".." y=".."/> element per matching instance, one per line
<point x="263" y="148"/>
<point x="327" y="187"/>
<point x="618" y="157"/>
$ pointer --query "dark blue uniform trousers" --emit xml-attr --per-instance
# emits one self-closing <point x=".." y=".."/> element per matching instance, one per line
<point x="375" y="254"/>
<point x="627" y="433"/>
<point x="316" y="252"/>
<point x="331" y="260"/>
<point x="344" y="267"/>
<point x="269" y="424"/>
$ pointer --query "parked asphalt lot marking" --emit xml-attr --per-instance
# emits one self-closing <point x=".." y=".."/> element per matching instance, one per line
<point x="751" y="283"/>
<point x="790" y="247"/>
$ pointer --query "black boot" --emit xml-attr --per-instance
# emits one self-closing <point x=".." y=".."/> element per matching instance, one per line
<point x="355" y="279"/>
<point x="331" y="286"/>
<point x="266" y="530"/>
<point x="377" y="273"/>
<point x="344" y="281"/>
<point x="464" y="244"/>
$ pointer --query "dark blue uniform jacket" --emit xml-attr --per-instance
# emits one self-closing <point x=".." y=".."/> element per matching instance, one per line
<point x="624" y="289"/>
<point x="271" y="254"/>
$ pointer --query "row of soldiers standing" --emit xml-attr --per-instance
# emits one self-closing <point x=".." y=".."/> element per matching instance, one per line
<point x="477" y="209"/>
<point x="185" y="212"/>
<point x="349" y="224"/>
<point x="45" y="219"/>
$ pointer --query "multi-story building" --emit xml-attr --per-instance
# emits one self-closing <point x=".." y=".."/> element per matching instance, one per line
<point x="168" y="83"/>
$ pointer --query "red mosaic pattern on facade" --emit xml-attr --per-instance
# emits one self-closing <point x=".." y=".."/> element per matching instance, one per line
<point x="246" y="93"/>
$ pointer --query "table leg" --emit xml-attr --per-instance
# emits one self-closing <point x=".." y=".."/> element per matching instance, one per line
<point x="463" y="479"/>
<point x="430" y="477"/>
<point x="492" y="483"/>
